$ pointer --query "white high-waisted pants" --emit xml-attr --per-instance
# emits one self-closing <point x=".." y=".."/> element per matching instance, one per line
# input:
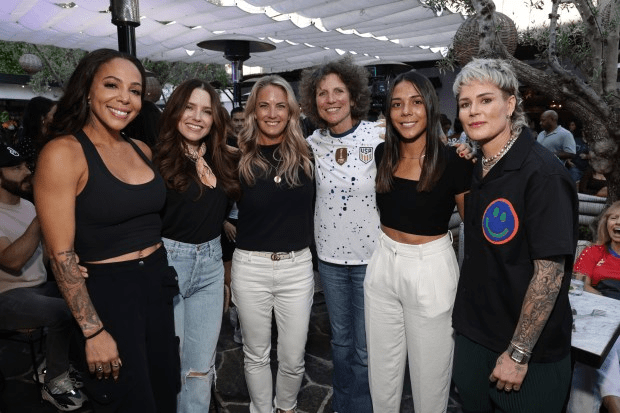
<point x="286" y="287"/>
<point x="409" y="294"/>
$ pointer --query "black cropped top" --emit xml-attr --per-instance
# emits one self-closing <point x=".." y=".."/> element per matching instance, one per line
<point x="424" y="213"/>
<point x="112" y="217"/>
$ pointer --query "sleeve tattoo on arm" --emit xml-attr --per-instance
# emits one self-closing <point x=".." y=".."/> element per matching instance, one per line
<point x="539" y="301"/>
<point x="73" y="288"/>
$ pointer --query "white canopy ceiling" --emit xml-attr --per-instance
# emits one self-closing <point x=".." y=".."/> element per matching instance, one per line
<point x="305" y="32"/>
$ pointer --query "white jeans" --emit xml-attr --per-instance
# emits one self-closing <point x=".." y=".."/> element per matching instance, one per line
<point x="409" y="294"/>
<point x="286" y="287"/>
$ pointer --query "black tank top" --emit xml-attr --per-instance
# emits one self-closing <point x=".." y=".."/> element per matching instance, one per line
<point x="112" y="217"/>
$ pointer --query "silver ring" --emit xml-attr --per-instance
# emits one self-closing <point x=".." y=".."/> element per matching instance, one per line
<point x="114" y="366"/>
<point x="100" y="369"/>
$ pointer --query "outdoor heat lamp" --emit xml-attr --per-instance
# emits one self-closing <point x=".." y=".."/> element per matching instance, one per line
<point x="237" y="49"/>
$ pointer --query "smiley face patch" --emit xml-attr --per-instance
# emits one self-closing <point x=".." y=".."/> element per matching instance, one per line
<point x="500" y="222"/>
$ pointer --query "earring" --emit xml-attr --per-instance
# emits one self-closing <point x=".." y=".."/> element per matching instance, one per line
<point x="88" y="102"/>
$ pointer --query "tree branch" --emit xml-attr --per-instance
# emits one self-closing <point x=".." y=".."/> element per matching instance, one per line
<point x="49" y="65"/>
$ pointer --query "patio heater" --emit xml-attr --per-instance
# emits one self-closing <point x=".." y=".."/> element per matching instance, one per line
<point x="237" y="49"/>
<point x="126" y="17"/>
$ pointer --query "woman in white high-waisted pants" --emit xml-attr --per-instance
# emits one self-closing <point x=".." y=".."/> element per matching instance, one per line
<point x="412" y="277"/>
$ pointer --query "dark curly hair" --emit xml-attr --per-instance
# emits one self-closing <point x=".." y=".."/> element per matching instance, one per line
<point x="435" y="159"/>
<point x="353" y="76"/>
<point x="72" y="111"/>
<point x="175" y="167"/>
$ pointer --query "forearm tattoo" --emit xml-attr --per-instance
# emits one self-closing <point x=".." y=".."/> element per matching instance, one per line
<point x="73" y="288"/>
<point x="539" y="301"/>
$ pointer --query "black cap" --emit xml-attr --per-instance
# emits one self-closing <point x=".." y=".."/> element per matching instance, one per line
<point x="9" y="156"/>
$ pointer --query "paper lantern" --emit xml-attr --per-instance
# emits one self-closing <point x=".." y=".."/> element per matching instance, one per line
<point x="153" y="88"/>
<point x="466" y="39"/>
<point x="30" y="63"/>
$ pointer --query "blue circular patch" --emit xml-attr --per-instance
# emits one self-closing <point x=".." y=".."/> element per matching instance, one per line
<point x="500" y="222"/>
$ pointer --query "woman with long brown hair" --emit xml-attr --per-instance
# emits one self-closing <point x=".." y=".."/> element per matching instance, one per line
<point x="412" y="276"/>
<point x="199" y="170"/>
<point x="272" y="265"/>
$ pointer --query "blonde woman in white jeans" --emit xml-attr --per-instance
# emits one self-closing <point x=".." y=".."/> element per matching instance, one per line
<point x="412" y="276"/>
<point x="272" y="265"/>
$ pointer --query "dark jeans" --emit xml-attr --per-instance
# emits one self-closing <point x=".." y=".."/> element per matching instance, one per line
<point x="544" y="388"/>
<point x="134" y="301"/>
<point x="33" y="307"/>
<point x="343" y="286"/>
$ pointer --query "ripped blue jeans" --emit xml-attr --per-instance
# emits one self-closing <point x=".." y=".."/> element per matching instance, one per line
<point x="197" y="317"/>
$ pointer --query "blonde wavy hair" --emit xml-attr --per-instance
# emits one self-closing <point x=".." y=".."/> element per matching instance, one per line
<point x="294" y="150"/>
<point x="602" y="234"/>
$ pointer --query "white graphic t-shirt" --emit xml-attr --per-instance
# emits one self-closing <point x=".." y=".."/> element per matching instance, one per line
<point x="346" y="220"/>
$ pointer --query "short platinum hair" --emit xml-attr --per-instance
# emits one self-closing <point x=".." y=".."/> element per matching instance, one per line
<point x="501" y="74"/>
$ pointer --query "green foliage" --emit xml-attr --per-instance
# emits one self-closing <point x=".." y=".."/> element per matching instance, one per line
<point x="10" y="53"/>
<point x="59" y="63"/>
<point x="455" y="6"/>
<point x="176" y="72"/>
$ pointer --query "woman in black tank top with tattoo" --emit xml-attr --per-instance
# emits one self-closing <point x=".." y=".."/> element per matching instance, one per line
<point x="98" y="197"/>
<point x="411" y="279"/>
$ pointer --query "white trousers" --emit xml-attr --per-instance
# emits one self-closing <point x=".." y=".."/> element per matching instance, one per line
<point x="259" y="287"/>
<point x="409" y="294"/>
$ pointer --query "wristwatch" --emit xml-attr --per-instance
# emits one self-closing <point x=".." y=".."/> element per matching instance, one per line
<point x="517" y="355"/>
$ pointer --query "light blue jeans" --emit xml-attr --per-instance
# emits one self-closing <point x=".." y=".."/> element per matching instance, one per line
<point x="197" y="317"/>
<point x="343" y="286"/>
<point x="285" y="288"/>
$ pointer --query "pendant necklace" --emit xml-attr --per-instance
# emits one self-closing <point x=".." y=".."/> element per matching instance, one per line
<point x="277" y="178"/>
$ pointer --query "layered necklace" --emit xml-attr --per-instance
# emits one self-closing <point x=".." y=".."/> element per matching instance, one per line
<point x="488" y="163"/>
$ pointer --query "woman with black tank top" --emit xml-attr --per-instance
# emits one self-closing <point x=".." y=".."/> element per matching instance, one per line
<point x="200" y="173"/>
<point x="412" y="277"/>
<point x="272" y="265"/>
<point x="98" y="197"/>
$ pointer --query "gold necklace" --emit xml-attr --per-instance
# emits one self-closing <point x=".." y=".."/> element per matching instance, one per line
<point x="419" y="157"/>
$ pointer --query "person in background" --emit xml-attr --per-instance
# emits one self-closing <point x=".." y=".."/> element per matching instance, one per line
<point x="593" y="181"/>
<point x="237" y="117"/>
<point x="32" y="135"/>
<point x="599" y="266"/>
<point x="559" y="141"/>
<point x="411" y="279"/>
<point x="27" y="299"/>
<point x="200" y="174"/>
<point x="511" y="314"/>
<point x="229" y="228"/>
<point x="582" y="152"/>
<point x="272" y="264"/>
<point x="98" y="197"/>
<point x="336" y="98"/>
<point x="145" y="126"/>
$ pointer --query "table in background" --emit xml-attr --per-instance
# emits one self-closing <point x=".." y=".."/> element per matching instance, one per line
<point x="594" y="336"/>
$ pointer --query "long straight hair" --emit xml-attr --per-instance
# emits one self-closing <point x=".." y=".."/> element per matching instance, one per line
<point x="293" y="150"/>
<point x="175" y="167"/>
<point x="434" y="153"/>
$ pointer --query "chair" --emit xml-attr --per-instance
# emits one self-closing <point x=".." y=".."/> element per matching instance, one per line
<point x="28" y="336"/>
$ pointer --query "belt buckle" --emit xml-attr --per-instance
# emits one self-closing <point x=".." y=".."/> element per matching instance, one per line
<point x="275" y="256"/>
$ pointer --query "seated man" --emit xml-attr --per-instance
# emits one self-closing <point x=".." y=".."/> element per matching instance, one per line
<point x="27" y="300"/>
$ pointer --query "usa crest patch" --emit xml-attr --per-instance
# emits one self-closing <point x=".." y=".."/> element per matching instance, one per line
<point x="366" y="154"/>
